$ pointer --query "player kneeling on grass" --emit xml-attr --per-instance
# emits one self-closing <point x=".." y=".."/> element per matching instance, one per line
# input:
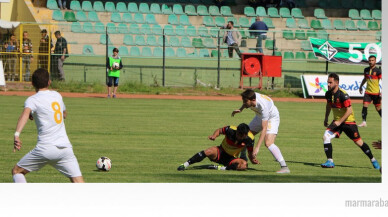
<point x="339" y="101"/>
<point x="53" y="147"/>
<point x="236" y="138"/>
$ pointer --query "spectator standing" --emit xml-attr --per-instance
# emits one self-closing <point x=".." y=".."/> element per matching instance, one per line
<point x="233" y="39"/>
<point x="61" y="52"/>
<point x="11" y="46"/>
<point x="62" y="4"/>
<point x="113" y="66"/>
<point x="44" y="50"/>
<point x="27" y="57"/>
<point x="261" y="33"/>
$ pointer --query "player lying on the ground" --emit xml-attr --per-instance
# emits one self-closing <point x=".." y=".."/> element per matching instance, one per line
<point x="339" y="101"/>
<point x="236" y="138"/>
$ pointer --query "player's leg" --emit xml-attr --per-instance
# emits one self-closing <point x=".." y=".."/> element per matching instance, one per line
<point x="109" y="86"/>
<point x="64" y="160"/>
<point x="377" y="103"/>
<point x="32" y="161"/>
<point x="18" y="174"/>
<point x="211" y="153"/>
<point x="366" y="101"/>
<point x="255" y="127"/>
<point x="116" y="84"/>
<point x="328" y="148"/>
<point x="78" y="179"/>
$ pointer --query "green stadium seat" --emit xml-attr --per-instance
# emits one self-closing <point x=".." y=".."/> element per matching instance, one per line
<point x="372" y="25"/>
<point x="146" y="52"/>
<point x="88" y="27"/>
<point x="180" y="30"/>
<point x="300" y="56"/>
<point x="132" y="7"/>
<point x="111" y="27"/>
<point x="122" y="28"/>
<point x="146" y="29"/>
<point x="138" y="18"/>
<point x="220" y="21"/>
<point x="70" y="16"/>
<point x="75" y="6"/>
<point x="378" y="36"/>
<point x="311" y="56"/>
<point x="285" y="13"/>
<point x="361" y="25"/>
<point x="110" y="7"/>
<point x="226" y="11"/>
<point x="208" y="21"/>
<point x="151" y="40"/>
<point x="191" y="31"/>
<point x="52" y="5"/>
<point x="234" y="20"/>
<point x="288" y="34"/>
<point x="214" y="53"/>
<point x="273" y="12"/>
<point x="249" y="12"/>
<point x="123" y="51"/>
<point x="277" y="53"/>
<point x="99" y="27"/>
<point x="244" y="22"/>
<point x="202" y="10"/>
<point x="158" y="52"/>
<point x="322" y="34"/>
<point x="87" y="50"/>
<point x="193" y="54"/>
<point x="160" y="41"/>
<point x="242" y="32"/>
<point x="260" y="11"/>
<point x="197" y="43"/>
<point x="115" y="17"/>
<point x="300" y="34"/>
<point x="269" y="44"/>
<point x="177" y="9"/>
<point x="203" y="31"/>
<point x="128" y="40"/>
<point x="169" y="30"/>
<point x="157" y="30"/>
<point x="174" y="42"/>
<point x="134" y="51"/>
<point x="144" y="8"/>
<point x="98" y="6"/>
<point x="365" y="14"/>
<point x="350" y="26"/>
<point x="268" y="22"/>
<point x="155" y="8"/>
<point x="338" y="24"/>
<point x="186" y="42"/>
<point x="184" y="20"/>
<point x="311" y="33"/>
<point x="316" y="24"/>
<point x="354" y="15"/>
<point x="288" y="55"/>
<point x="103" y="39"/>
<point x="173" y="19"/>
<point x="326" y="24"/>
<point x="110" y="50"/>
<point x="87" y="6"/>
<point x="121" y="7"/>
<point x="134" y="29"/>
<point x="93" y="17"/>
<point x="127" y="18"/>
<point x="297" y="13"/>
<point x="190" y="10"/>
<point x="170" y="52"/>
<point x="209" y="43"/>
<point x="166" y="9"/>
<point x="376" y="14"/>
<point x="319" y="13"/>
<point x="204" y="53"/>
<point x="214" y="10"/>
<point x="57" y="15"/>
<point x="303" y="24"/>
<point x="305" y="45"/>
<point x="76" y="27"/>
<point x="139" y="40"/>
<point x="150" y="19"/>
<point x="290" y="23"/>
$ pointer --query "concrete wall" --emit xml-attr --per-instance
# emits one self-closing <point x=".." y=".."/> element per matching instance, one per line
<point x="16" y="10"/>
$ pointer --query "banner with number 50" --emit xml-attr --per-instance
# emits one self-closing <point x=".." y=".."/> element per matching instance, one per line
<point x="346" y="52"/>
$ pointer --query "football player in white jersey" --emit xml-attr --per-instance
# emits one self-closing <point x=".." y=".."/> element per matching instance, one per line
<point x="266" y="121"/>
<point x="53" y="147"/>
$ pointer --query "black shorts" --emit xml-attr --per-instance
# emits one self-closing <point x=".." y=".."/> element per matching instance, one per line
<point x="350" y="129"/>
<point x="223" y="157"/>
<point x="368" y="98"/>
<point x="115" y="81"/>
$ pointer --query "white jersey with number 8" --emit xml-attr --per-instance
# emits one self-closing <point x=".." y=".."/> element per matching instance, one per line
<point x="47" y="109"/>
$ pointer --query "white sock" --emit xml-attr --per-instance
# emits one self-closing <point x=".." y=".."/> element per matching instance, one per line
<point x="277" y="155"/>
<point x="330" y="159"/>
<point x="19" y="178"/>
<point x="373" y="159"/>
<point x="186" y="164"/>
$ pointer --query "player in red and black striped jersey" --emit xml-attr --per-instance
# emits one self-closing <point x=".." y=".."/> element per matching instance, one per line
<point x="338" y="101"/>
<point x="372" y="76"/>
<point x="236" y="138"/>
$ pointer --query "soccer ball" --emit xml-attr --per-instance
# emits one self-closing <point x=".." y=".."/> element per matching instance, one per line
<point x="115" y="65"/>
<point x="104" y="163"/>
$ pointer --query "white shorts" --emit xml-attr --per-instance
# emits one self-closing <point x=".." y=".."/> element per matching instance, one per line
<point x="273" y="125"/>
<point x="62" y="159"/>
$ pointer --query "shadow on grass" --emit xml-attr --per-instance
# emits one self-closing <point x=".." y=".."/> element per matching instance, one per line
<point x="319" y="165"/>
<point x="201" y="167"/>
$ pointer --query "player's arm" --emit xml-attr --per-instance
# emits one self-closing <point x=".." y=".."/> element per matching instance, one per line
<point x="362" y="84"/>
<point x="252" y="158"/>
<point x="19" y="127"/>
<point x="327" y="113"/>
<point x="64" y="114"/>
<point x="264" y="125"/>
<point x="238" y="110"/>
<point x="216" y="134"/>
<point x="348" y="112"/>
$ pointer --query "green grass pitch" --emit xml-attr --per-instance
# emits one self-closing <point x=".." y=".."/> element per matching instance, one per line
<point x="147" y="139"/>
